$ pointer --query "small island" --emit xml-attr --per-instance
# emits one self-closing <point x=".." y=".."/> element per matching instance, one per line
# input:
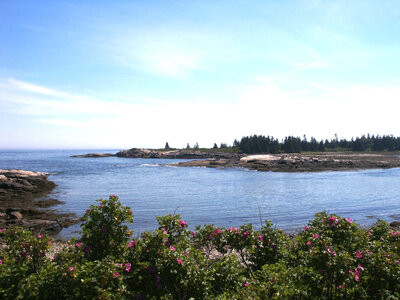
<point x="292" y="154"/>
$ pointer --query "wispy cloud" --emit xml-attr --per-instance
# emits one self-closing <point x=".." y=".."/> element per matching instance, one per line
<point x="262" y="107"/>
<point x="161" y="52"/>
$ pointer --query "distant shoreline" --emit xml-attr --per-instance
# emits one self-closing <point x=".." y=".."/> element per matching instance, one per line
<point x="285" y="162"/>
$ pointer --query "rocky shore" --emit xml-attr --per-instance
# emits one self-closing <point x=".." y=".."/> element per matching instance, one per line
<point x="167" y="154"/>
<point x="19" y="191"/>
<point x="330" y="161"/>
<point x="300" y="162"/>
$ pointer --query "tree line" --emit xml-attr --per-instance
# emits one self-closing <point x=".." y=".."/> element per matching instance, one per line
<point x="292" y="144"/>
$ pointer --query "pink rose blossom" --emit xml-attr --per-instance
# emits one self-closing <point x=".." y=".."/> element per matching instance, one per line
<point x="116" y="274"/>
<point x="71" y="269"/>
<point x="179" y="261"/>
<point x="341" y="286"/>
<point x="315" y="236"/>
<point x="40" y="236"/>
<point x="217" y="231"/>
<point x="245" y="284"/>
<point x="132" y="244"/>
<point x="172" y="248"/>
<point x="78" y="245"/>
<point x="260" y="238"/>
<point x="128" y="267"/>
<point x="194" y="233"/>
<point x="182" y="224"/>
<point x="1" y="262"/>
<point x="358" y="254"/>
<point x="308" y="243"/>
<point x="306" y="228"/>
<point x="246" y="234"/>
<point x="349" y="220"/>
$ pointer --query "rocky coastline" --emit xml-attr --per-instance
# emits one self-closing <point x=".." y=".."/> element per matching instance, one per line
<point x="301" y="162"/>
<point x="167" y="154"/>
<point x="292" y="162"/>
<point x="20" y="206"/>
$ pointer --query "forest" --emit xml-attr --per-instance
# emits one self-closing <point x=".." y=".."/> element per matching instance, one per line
<point x="292" y="144"/>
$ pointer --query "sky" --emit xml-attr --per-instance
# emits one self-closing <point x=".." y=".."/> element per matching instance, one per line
<point x="123" y="74"/>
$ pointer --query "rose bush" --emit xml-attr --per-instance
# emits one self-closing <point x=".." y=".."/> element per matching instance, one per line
<point x="332" y="258"/>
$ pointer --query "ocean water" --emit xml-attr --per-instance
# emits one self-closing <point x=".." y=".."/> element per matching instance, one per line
<point x="224" y="197"/>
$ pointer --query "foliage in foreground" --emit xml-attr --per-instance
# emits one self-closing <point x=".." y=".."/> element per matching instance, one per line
<point x="332" y="258"/>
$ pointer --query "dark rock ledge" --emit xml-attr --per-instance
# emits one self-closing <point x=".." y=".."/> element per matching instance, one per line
<point x="19" y="190"/>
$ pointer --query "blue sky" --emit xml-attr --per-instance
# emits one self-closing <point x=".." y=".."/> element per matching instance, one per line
<point x="121" y="74"/>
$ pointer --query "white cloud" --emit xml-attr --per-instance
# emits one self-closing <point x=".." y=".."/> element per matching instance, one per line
<point x="261" y="108"/>
<point x="170" y="53"/>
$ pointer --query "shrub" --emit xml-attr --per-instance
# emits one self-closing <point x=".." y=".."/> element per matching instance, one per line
<point x="332" y="258"/>
<point x="103" y="229"/>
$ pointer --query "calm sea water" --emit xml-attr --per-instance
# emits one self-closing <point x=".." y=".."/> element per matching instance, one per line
<point x="229" y="197"/>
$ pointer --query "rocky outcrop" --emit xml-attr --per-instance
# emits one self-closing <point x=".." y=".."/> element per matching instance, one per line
<point x="91" y="155"/>
<point x="18" y="191"/>
<point x="301" y="163"/>
<point x="174" y="154"/>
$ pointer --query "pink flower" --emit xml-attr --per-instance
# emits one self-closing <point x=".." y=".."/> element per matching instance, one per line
<point x="50" y="243"/>
<point x="172" y="248"/>
<point x="308" y="243"/>
<point x="349" y="220"/>
<point x="332" y="220"/>
<point x="78" y="245"/>
<point x="40" y="236"/>
<point x="182" y="223"/>
<point x="128" y="267"/>
<point x="194" y="233"/>
<point x="341" y="286"/>
<point x="132" y="244"/>
<point x="245" y="284"/>
<point x="246" y="234"/>
<point x="130" y="212"/>
<point x="315" y="236"/>
<point x="112" y="196"/>
<point x="101" y="205"/>
<point x="179" y="261"/>
<point x="358" y="254"/>
<point x="306" y="228"/>
<point x="116" y="274"/>
<point x="233" y="229"/>
<point x="333" y="253"/>
<point x="1" y="262"/>
<point x="217" y="231"/>
<point x="71" y="269"/>
<point x="260" y="238"/>
<point x="4" y="229"/>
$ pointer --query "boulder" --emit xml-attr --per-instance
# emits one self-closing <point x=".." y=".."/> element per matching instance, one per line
<point x="15" y="215"/>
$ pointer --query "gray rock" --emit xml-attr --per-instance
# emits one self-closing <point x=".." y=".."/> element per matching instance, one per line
<point x="15" y="215"/>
